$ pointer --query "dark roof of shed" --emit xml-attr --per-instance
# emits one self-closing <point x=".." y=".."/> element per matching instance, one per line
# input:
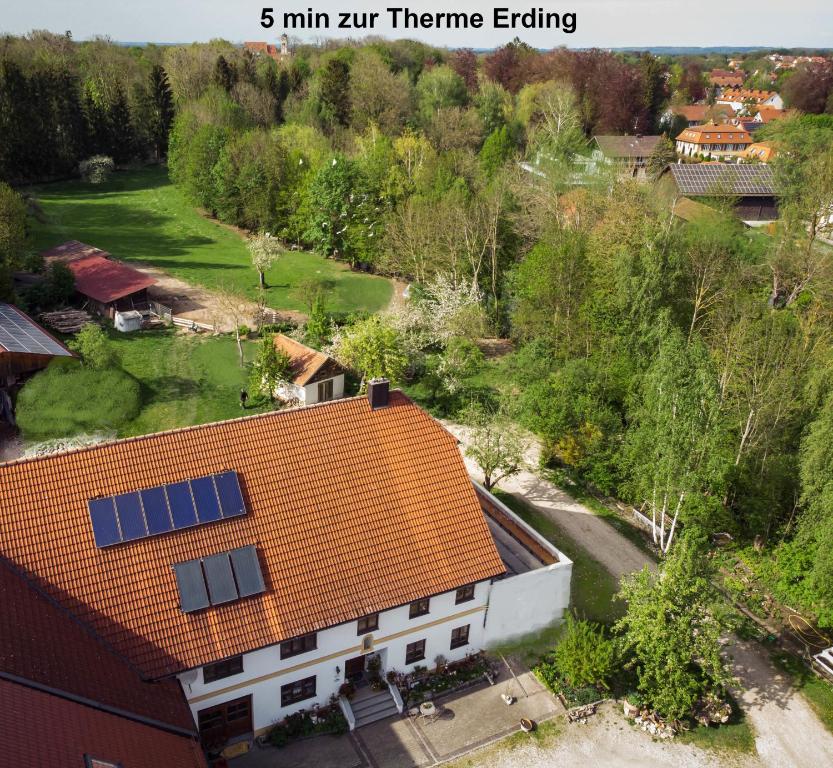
<point x="627" y="146"/>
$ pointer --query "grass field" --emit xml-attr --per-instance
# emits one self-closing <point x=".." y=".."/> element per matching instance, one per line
<point x="140" y="216"/>
<point x="181" y="380"/>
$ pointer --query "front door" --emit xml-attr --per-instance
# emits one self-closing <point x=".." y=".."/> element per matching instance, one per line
<point x="354" y="668"/>
<point x="224" y="722"/>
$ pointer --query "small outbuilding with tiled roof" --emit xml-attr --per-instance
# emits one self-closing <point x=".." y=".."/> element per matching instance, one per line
<point x="316" y="377"/>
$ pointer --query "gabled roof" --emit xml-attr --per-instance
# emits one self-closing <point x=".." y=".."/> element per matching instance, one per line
<point x="352" y="511"/>
<point x="96" y="274"/>
<point x="704" y="112"/>
<point x="746" y="94"/>
<point x="627" y="146"/>
<point x="41" y="729"/>
<point x="20" y="334"/>
<point x="715" y="134"/>
<point x="42" y="643"/>
<point x="718" y="179"/>
<point x="306" y="362"/>
<point x="768" y="114"/>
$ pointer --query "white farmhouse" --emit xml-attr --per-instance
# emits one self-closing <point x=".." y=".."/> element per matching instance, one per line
<point x="262" y="563"/>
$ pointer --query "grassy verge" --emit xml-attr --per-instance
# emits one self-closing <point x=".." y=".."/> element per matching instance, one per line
<point x="736" y="736"/>
<point x="140" y="216"/>
<point x="545" y="735"/>
<point x="818" y="692"/>
<point x="593" y="587"/>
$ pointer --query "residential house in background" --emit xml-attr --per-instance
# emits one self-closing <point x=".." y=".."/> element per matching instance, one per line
<point x="260" y="563"/>
<point x="698" y="114"/>
<point x="749" y="189"/>
<point x="761" y="151"/>
<point x="108" y="285"/>
<point x="723" y="78"/>
<point x="629" y="154"/>
<point x="316" y="377"/>
<point x="278" y="53"/>
<point x="739" y="98"/>
<point x="713" y="141"/>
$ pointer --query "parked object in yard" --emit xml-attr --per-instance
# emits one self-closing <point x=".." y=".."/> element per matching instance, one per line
<point x="527" y="725"/>
<point x="127" y="321"/>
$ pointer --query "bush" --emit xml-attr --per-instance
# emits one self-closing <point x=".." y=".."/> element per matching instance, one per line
<point x="68" y="400"/>
<point x="94" y="347"/>
<point x="96" y="169"/>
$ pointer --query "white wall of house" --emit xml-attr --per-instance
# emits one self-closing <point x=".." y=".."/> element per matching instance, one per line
<point x="264" y="672"/>
<point x="308" y="395"/>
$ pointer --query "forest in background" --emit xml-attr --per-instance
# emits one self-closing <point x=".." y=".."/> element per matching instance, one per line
<point x="684" y="368"/>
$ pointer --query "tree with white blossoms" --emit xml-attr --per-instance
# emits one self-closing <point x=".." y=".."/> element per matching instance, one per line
<point x="264" y="250"/>
<point x="495" y="443"/>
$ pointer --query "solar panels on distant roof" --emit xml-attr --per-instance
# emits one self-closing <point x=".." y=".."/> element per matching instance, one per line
<point x="717" y="180"/>
<point x="218" y="579"/>
<point x="20" y="334"/>
<point x="163" y="508"/>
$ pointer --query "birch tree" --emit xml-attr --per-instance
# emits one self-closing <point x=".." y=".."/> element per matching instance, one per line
<point x="676" y="447"/>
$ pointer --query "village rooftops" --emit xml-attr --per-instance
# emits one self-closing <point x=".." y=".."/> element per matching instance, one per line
<point x="350" y="510"/>
<point x="627" y="147"/>
<point x="308" y="365"/>
<point x="96" y="274"/>
<point x="746" y="94"/>
<point x="702" y="113"/>
<point x="710" y="133"/>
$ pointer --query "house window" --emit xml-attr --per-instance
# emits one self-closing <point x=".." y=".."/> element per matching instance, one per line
<point x="325" y="390"/>
<point x="464" y="594"/>
<point x="300" y="690"/>
<point x="367" y="624"/>
<point x="459" y="637"/>
<point x="221" y="669"/>
<point x="419" y="608"/>
<point x="299" y="645"/>
<point x="415" y="652"/>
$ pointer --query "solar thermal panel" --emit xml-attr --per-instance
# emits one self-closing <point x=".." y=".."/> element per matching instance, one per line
<point x="191" y="585"/>
<point x="247" y="571"/>
<point x="220" y="579"/>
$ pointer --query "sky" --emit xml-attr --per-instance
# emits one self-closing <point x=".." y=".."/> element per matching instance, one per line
<point x="602" y="23"/>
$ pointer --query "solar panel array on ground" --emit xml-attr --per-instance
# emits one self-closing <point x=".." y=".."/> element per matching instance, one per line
<point x="720" y="180"/>
<point x="218" y="579"/>
<point x="19" y="334"/>
<point x="165" y="508"/>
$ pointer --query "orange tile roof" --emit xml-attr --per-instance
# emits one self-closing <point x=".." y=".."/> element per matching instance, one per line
<point x="43" y="643"/>
<point x="306" y="362"/>
<point x="745" y="94"/>
<point x="38" y="730"/>
<point x="715" y="134"/>
<point x="768" y="114"/>
<point x="352" y="511"/>
<point x="762" y="150"/>
<point x="703" y="112"/>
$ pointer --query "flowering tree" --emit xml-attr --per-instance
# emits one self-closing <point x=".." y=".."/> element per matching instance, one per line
<point x="264" y="250"/>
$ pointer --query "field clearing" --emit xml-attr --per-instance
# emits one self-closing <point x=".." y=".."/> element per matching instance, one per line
<point x="139" y="216"/>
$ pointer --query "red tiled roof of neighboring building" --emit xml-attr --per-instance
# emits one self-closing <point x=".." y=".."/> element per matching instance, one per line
<point x="96" y="274"/>
<point x="41" y="730"/>
<point x="768" y="114"/>
<point x="352" y="511"/>
<point x="703" y="112"/>
<point x="306" y="362"/>
<point x="715" y="134"/>
<point x="41" y="642"/>
<point x="258" y="46"/>
<point x="746" y="94"/>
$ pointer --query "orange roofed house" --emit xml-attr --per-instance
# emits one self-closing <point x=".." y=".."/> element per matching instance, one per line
<point x="218" y="578"/>
<point x="713" y="141"/>
<point x="315" y="377"/>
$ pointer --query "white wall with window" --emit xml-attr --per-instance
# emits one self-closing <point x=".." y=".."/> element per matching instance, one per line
<point x="305" y="671"/>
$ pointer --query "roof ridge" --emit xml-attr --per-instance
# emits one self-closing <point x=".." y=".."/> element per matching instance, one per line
<point x="189" y="428"/>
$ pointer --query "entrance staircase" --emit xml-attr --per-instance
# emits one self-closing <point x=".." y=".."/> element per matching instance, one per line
<point x="369" y="706"/>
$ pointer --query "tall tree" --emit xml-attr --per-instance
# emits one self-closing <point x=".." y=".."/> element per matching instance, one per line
<point x="335" y="92"/>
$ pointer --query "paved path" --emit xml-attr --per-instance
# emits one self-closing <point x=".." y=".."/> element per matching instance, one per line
<point x="788" y="733"/>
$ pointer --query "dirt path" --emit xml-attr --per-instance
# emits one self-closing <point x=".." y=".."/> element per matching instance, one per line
<point x="204" y="306"/>
<point x="788" y="733"/>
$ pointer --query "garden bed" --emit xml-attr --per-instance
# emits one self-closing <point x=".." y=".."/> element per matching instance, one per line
<point x="423" y="684"/>
<point x="305" y="724"/>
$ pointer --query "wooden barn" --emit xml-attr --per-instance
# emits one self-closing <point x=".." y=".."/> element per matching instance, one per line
<point x="25" y="347"/>
<point x="108" y="285"/>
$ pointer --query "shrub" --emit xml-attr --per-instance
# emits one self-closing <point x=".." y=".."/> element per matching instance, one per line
<point x="63" y="401"/>
<point x="584" y="656"/>
<point x="96" y="169"/>
<point x="94" y="347"/>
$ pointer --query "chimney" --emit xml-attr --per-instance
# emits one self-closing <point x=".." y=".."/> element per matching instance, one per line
<point x="377" y="393"/>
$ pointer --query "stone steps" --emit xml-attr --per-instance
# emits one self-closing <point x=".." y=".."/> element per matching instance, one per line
<point x="376" y="706"/>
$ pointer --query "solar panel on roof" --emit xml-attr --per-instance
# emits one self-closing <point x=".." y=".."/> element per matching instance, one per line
<point x="231" y="497"/>
<point x="247" y="571"/>
<point x="105" y="526"/>
<point x="191" y="585"/>
<point x="220" y="580"/>
<point x="205" y="500"/>
<point x="164" y="508"/>
<point x="19" y="334"/>
<point x="749" y="180"/>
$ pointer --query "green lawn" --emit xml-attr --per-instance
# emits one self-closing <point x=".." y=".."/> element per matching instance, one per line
<point x="141" y="216"/>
